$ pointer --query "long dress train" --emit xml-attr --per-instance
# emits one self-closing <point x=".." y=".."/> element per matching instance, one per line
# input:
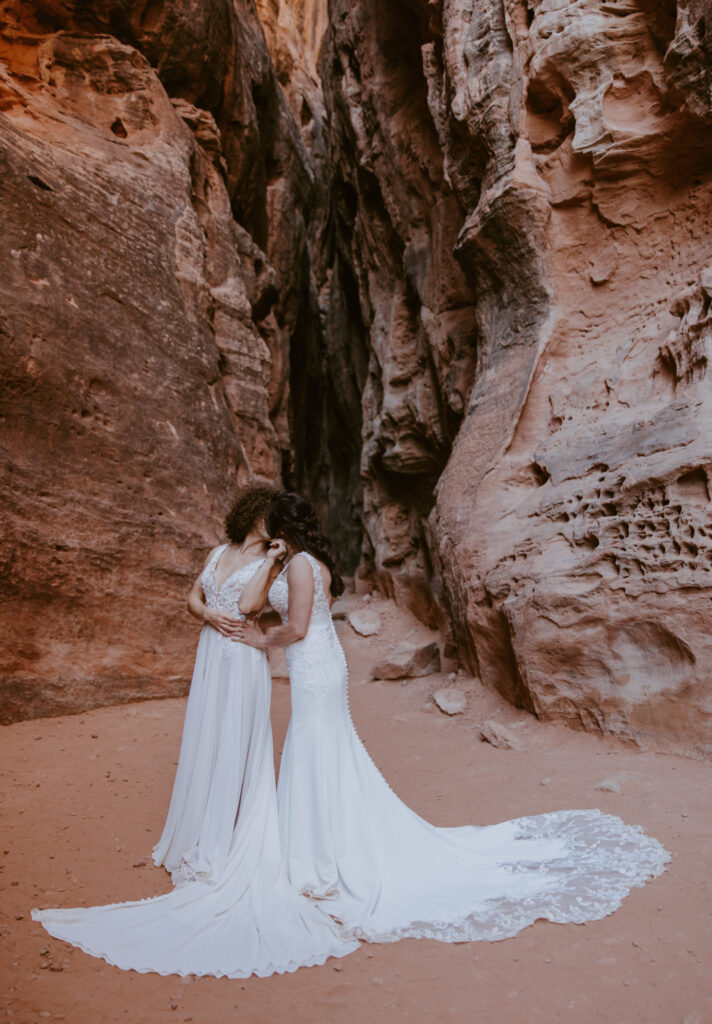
<point x="233" y="912"/>
<point x="388" y="874"/>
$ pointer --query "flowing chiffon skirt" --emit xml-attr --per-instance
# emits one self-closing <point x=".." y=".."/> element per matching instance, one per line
<point x="233" y="912"/>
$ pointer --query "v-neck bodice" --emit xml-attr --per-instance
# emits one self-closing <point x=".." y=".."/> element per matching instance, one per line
<point x="226" y="596"/>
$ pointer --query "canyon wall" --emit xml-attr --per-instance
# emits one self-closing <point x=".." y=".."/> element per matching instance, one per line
<point x="329" y="345"/>
<point x="154" y="192"/>
<point x="444" y="265"/>
<point x="549" y="382"/>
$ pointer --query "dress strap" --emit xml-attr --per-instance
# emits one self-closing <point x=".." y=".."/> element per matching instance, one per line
<point x="313" y="562"/>
<point x="289" y="561"/>
<point x="320" y="597"/>
<point x="315" y="568"/>
<point x="217" y="555"/>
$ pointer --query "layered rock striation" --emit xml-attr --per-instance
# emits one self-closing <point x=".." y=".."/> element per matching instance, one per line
<point x="155" y="191"/>
<point x="576" y="555"/>
<point x="549" y="382"/>
<point x="443" y="265"/>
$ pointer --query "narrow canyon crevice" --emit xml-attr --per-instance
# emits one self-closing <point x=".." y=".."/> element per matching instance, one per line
<point x="520" y="192"/>
<point x="442" y="267"/>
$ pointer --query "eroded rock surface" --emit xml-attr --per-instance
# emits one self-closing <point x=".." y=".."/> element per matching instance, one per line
<point x="445" y="266"/>
<point x="552" y="378"/>
<point x="575" y="558"/>
<point x="146" y="316"/>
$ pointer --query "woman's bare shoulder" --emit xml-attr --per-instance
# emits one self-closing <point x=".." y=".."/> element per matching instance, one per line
<point x="299" y="567"/>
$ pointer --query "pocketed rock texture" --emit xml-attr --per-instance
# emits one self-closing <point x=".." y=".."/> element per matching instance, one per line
<point x="154" y="187"/>
<point x="445" y="266"/>
<point x="550" y="381"/>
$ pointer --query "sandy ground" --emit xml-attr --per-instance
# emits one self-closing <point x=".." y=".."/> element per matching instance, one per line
<point x="84" y="799"/>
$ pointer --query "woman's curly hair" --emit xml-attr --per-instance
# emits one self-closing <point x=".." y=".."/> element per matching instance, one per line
<point x="250" y="505"/>
<point x="294" y="519"/>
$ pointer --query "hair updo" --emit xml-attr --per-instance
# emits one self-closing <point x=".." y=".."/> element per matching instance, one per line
<point x="250" y="505"/>
<point x="294" y="519"/>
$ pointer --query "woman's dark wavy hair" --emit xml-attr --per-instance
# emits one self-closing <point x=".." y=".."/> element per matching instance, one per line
<point x="294" y="519"/>
<point x="250" y="505"/>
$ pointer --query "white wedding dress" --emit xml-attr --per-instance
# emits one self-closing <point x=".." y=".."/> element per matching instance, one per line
<point x="386" y="873"/>
<point x="233" y="912"/>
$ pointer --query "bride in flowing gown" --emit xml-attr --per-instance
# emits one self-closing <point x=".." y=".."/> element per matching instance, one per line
<point x="347" y="838"/>
<point x="233" y="912"/>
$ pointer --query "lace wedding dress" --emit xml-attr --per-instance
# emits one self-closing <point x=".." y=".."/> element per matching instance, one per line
<point x="233" y="912"/>
<point x="386" y="873"/>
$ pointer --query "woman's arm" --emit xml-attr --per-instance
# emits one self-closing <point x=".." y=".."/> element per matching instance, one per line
<point x="209" y="616"/>
<point x="301" y="597"/>
<point x="254" y="595"/>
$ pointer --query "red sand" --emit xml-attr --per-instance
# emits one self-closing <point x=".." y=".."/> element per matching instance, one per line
<point x="85" y="799"/>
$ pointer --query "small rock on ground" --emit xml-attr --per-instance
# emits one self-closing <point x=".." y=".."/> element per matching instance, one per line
<point x="499" y="735"/>
<point x="365" y="621"/>
<point x="450" y="700"/>
<point x="408" y="661"/>
<point x="608" y="786"/>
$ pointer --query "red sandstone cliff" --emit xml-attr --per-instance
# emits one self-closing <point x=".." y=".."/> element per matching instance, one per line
<point x="549" y="381"/>
<point x="464" y="245"/>
<point x="154" y="189"/>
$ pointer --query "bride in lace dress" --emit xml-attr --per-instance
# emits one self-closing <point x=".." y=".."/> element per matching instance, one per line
<point x="347" y="838"/>
<point x="233" y="912"/>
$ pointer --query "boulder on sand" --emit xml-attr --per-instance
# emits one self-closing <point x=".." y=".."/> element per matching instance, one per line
<point x="450" y="700"/>
<point x="407" y="661"/>
<point x="365" y="621"/>
<point x="499" y="736"/>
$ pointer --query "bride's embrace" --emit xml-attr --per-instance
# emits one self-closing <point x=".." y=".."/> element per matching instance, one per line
<point x="268" y="882"/>
<point x="233" y="912"/>
<point x="347" y="838"/>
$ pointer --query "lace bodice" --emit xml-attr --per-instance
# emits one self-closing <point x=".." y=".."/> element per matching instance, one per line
<point x="227" y="595"/>
<point x="279" y="595"/>
<point x="316" y="663"/>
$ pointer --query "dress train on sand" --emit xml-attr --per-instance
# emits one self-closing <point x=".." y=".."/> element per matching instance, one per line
<point x="388" y="874"/>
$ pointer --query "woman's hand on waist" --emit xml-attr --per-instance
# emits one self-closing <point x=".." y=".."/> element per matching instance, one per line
<point x="249" y="633"/>
<point x="224" y="623"/>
